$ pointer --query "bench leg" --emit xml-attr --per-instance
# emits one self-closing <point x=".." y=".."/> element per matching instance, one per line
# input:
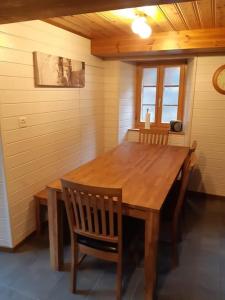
<point x="38" y="216"/>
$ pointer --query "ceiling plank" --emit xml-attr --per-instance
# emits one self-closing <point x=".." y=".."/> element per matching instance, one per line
<point x="121" y="24"/>
<point x="206" y="13"/>
<point x="23" y="10"/>
<point x="66" y="24"/>
<point x="174" y="16"/>
<point x="220" y="13"/>
<point x="162" y="20"/>
<point x="187" y="41"/>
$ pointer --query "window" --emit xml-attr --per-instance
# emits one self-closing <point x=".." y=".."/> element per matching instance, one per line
<point x="160" y="88"/>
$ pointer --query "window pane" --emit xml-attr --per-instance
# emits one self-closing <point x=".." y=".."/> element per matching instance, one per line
<point x="151" y="110"/>
<point x="170" y="95"/>
<point x="169" y="113"/>
<point x="172" y="76"/>
<point x="148" y="95"/>
<point x="149" y="76"/>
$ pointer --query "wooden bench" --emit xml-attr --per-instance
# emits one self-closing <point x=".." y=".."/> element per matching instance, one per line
<point x="41" y="199"/>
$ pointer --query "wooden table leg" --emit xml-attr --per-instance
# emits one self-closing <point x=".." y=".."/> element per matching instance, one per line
<point x="55" y="230"/>
<point x="151" y="245"/>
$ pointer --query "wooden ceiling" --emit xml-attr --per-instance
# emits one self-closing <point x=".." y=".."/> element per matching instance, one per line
<point x="23" y="10"/>
<point x="192" y="15"/>
<point x="179" y="26"/>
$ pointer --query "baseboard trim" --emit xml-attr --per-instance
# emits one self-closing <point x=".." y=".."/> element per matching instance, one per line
<point x="13" y="249"/>
<point x="6" y="249"/>
<point x="202" y="195"/>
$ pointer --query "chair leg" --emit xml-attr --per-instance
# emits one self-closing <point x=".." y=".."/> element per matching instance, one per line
<point x="38" y="217"/>
<point x="119" y="280"/>
<point x="74" y="264"/>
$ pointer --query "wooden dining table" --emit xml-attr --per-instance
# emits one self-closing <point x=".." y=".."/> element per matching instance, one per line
<point x="145" y="173"/>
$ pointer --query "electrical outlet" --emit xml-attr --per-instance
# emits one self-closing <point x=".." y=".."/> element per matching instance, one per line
<point x="22" y="122"/>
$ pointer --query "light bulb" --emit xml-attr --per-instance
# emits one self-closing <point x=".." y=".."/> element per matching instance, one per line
<point x="137" y="24"/>
<point x="145" y="31"/>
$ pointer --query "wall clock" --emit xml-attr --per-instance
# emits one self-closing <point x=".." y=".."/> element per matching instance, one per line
<point x="219" y="80"/>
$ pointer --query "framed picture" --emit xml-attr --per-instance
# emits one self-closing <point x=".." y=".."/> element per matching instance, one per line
<point x="57" y="71"/>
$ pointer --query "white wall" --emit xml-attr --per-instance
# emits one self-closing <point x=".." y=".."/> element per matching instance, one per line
<point x="5" y="230"/>
<point x="64" y="126"/>
<point x="189" y="98"/>
<point x="208" y="128"/>
<point x="127" y="99"/>
<point x="119" y="101"/>
<point x="111" y="104"/>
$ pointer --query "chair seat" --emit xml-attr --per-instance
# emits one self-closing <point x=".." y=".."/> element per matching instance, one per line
<point x="97" y="244"/>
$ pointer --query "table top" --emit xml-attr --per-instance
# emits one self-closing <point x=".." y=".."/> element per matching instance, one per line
<point x="144" y="172"/>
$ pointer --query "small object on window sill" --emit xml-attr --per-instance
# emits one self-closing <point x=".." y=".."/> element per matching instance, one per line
<point x="147" y="119"/>
<point x="176" y="126"/>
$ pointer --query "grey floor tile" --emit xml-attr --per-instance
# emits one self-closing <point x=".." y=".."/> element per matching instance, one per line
<point x="9" y="293"/>
<point x="26" y="274"/>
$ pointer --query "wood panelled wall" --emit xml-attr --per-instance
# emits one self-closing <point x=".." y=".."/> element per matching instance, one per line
<point x="64" y="126"/>
<point x="119" y="99"/>
<point x="208" y="128"/>
<point x="111" y="104"/>
<point x="127" y="99"/>
<point x="5" y="230"/>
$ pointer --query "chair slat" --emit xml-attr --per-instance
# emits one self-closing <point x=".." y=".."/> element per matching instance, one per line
<point x="111" y="218"/>
<point x="76" y="214"/>
<point x="103" y="216"/>
<point x="154" y="136"/>
<point x="96" y="222"/>
<point x="81" y="212"/>
<point x="89" y="215"/>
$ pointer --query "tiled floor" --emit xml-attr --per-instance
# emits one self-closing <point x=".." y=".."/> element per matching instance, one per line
<point x="26" y="275"/>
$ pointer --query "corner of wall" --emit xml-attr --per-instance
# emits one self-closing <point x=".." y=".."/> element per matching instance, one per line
<point x="5" y="227"/>
<point x="189" y="98"/>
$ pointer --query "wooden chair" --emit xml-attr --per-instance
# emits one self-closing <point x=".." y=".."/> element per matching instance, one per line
<point x="95" y="220"/>
<point x="191" y="151"/>
<point x="193" y="147"/>
<point x="41" y="199"/>
<point x="154" y="136"/>
<point x="172" y="209"/>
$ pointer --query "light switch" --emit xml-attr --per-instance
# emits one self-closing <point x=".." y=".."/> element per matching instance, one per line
<point x="22" y="122"/>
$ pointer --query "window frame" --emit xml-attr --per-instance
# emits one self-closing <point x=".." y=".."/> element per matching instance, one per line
<point x="160" y="65"/>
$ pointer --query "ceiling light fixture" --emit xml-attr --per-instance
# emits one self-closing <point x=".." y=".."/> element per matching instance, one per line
<point x="141" y="27"/>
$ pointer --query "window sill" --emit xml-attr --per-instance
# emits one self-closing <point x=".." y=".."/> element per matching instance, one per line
<point x="170" y="132"/>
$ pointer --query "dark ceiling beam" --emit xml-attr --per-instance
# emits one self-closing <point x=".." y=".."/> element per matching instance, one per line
<point x="24" y="10"/>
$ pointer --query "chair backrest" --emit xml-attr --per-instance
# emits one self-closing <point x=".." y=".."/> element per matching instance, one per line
<point x="154" y="136"/>
<point x="94" y="212"/>
<point x="193" y="147"/>
<point x="184" y="183"/>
